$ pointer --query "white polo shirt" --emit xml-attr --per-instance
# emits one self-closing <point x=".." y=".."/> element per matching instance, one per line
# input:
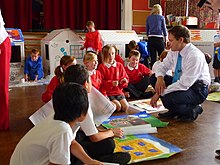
<point x="3" y="32"/>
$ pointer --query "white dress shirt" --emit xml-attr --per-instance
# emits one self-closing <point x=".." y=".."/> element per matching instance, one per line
<point x="3" y="32"/>
<point x="194" y="67"/>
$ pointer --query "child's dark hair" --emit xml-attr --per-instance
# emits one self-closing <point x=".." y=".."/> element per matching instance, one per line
<point x="208" y="58"/>
<point x="65" y="60"/>
<point x="132" y="45"/>
<point x="77" y="74"/>
<point x="70" y="101"/>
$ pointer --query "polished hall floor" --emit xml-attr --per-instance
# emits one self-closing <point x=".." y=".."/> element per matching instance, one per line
<point x="198" y="139"/>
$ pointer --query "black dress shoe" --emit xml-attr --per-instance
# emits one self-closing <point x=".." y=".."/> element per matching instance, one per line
<point x="167" y="115"/>
<point x="194" y="115"/>
<point x="217" y="152"/>
<point x="196" y="111"/>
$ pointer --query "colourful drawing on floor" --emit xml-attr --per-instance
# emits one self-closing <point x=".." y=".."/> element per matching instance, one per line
<point x="214" y="96"/>
<point x="145" y="104"/>
<point x="135" y="119"/>
<point x="145" y="147"/>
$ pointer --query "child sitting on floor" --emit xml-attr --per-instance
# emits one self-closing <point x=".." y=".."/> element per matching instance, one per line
<point x="52" y="140"/>
<point x="33" y="69"/>
<point x="90" y="138"/>
<point x="142" y="48"/>
<point x="65" y="62"/>
<point x="90" y="60"/>
<point x="138" y="76"/>
<point x="114" y="78"/>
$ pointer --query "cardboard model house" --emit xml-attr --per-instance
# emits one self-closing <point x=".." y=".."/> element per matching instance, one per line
<point x="17" y="54"/>
<point x="59" y="43"/>
<point x="120" y="38"/>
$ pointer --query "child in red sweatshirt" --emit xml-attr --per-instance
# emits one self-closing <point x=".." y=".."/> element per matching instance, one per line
<point x="58" y="79"/>
<point x="138" y="75"/>
<point x="93" y="39"/>
<point x="90" y="60"/>
<point x="114" y="78"/>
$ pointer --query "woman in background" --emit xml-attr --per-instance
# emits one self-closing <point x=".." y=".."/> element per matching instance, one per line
<point x="156" y="32"/>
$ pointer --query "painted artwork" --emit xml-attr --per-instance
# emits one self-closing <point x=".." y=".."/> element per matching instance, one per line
<point x="214" y="96"/>
<point x="144" y="105"/>
<point x="145" y="147"/>
<point x="15" y="35"/>
<point x="140" y="118"/>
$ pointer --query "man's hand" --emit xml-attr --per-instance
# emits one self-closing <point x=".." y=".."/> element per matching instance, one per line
<point x="154" y="99"/>
<point x="160" y="85"/>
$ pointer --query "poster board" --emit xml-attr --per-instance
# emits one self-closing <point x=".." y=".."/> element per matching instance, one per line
<point x="145" y="147"/>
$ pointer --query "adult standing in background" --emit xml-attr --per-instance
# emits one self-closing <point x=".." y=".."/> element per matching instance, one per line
<point x="156" y="32"/>
<point x="5" y="56"/>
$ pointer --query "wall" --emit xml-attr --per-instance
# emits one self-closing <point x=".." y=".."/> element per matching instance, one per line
<point x="140" y="11"/>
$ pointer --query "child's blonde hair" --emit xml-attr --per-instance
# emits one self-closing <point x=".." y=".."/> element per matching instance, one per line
<point x="59" y="72"/>
<point x="105" y="52"/>
<point x="135" y="53"/>
<point x="156" y="9"/>
<point x="89" y="56"/>
<point x="90" y="23"/>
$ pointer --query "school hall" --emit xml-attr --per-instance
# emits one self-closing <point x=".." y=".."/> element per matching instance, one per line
<point x="198" y="139"/>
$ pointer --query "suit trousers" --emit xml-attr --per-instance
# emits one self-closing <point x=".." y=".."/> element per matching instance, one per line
<point x="183" y="102"/>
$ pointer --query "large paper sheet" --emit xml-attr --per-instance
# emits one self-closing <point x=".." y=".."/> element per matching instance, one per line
<point x="42" y="113"/>
<point x="140" y="118"/>
<point x="144" y="105"/>
<point x="145" y="147"/>
<point x="139" y="129"/>
<point x="101" y="107"/>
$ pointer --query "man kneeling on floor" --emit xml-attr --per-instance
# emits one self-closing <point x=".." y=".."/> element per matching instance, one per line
<point x="183" y="93"/>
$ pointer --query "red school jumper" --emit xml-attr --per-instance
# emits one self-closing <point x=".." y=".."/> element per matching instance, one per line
<point x="138" y="73"/>
<point x="47" y="95"/>
<point x="93" y="40"/>
<point x="96" y="79"/>
<point x="113" y="73"/>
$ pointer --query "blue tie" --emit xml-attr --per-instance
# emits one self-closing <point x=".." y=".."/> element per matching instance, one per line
<point x="178" y="69"/>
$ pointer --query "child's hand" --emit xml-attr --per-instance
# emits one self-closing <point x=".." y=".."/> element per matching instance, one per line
<point x="115" y="83"/>
<point x="26" y="77"/>
<point x="124" y="81"/>
<point x="118" y="132"/>
<point x="95" y="162"/>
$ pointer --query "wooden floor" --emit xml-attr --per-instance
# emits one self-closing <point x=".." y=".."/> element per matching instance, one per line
<point x="198" y="139"/>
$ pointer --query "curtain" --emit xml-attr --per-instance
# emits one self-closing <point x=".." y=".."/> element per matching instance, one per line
<point x="17" y="13"/>
<point x="74" y="14"/>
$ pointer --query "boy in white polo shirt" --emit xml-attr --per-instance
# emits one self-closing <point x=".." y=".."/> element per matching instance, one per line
<point x="51" y="141"/>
